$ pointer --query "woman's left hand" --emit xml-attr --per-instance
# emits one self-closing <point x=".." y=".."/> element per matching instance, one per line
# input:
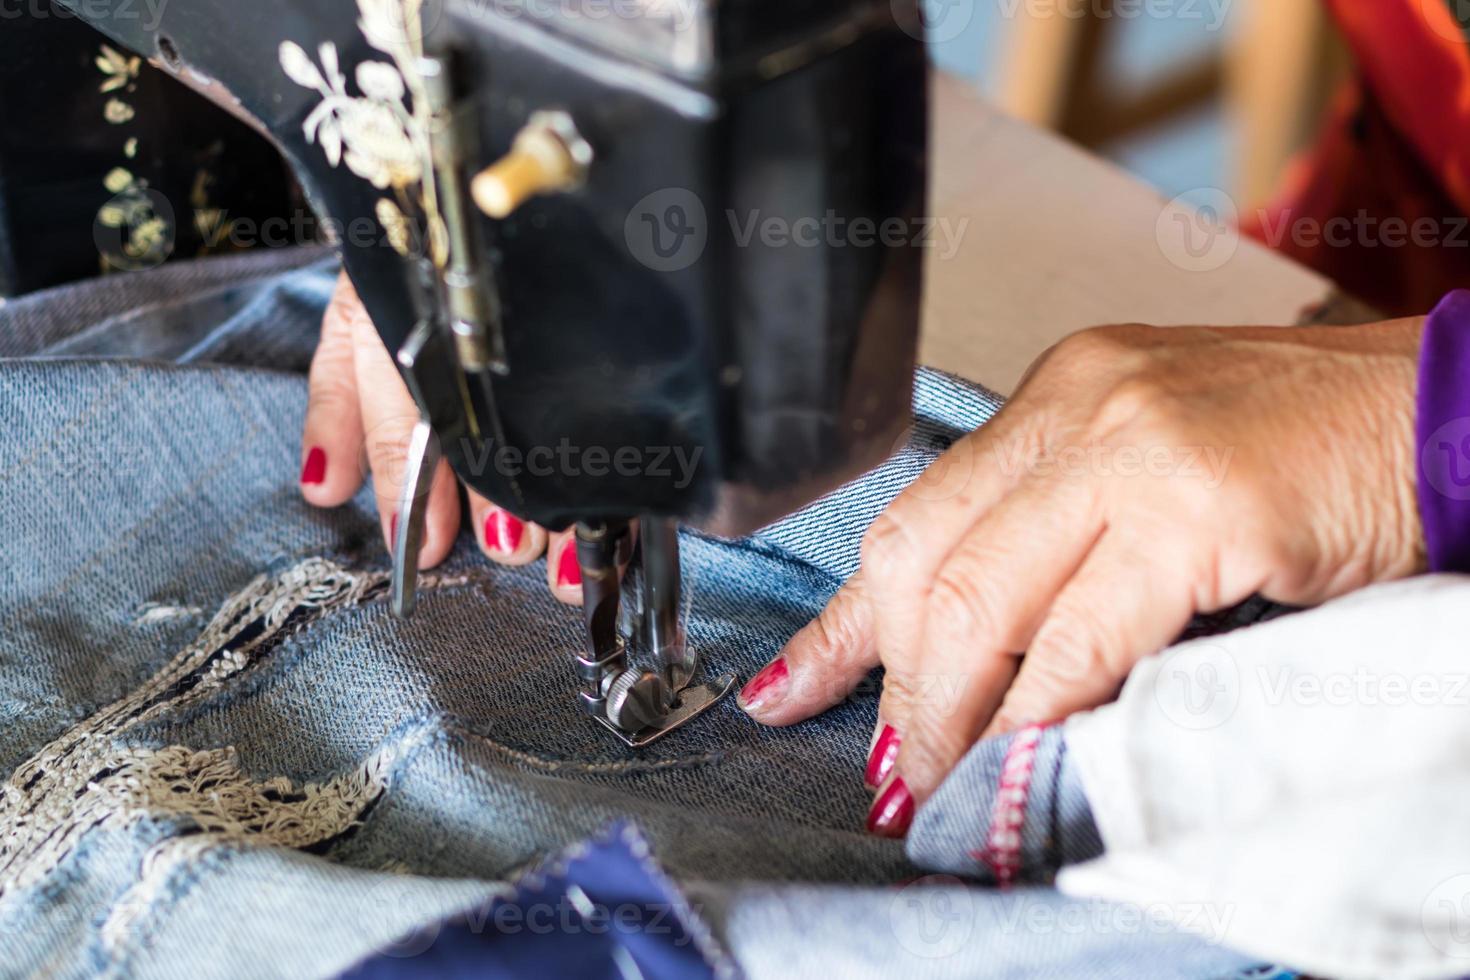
<point x="1140" y="475"/>
<point x="359" y="417"/>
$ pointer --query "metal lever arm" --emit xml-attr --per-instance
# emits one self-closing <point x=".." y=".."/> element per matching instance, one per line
<point x="413" y="502"/>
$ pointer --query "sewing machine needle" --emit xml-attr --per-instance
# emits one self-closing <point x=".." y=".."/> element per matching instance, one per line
<point x="663" y="603"/>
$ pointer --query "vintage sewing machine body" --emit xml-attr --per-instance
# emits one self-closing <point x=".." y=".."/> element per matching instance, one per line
<point x="601" y="234"/>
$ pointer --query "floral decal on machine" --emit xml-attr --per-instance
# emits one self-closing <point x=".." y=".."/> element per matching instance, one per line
<point x="381" y="133"/>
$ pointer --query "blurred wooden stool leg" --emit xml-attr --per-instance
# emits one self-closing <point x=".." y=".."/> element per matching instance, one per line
<point x="1276" y="74"/>
<point x="1050" y="62"/>
<point x="1054" y="76"/>
<point x="1283" y="68"/>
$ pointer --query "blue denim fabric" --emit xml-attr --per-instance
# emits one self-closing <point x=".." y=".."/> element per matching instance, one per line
<point x="940" y="927"/>
<point x="951" y="833"/>
<point x="226" y="758"/>
<point x="601" y="910"/>
<point x="215" y="311"/>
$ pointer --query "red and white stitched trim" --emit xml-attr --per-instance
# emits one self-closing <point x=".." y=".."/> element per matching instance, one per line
<point x="1002" y="851"/>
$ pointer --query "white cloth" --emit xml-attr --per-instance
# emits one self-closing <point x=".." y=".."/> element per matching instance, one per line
<point x="1299" y="789"/>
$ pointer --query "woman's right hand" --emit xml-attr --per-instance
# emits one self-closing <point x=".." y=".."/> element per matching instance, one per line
<point x="1140" y="475"/>
<point x="360" y="412"/>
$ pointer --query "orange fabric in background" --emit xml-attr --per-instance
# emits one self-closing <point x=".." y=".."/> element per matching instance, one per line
<point x="1395" y="152"/>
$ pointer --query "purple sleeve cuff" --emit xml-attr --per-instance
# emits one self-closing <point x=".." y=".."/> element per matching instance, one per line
<point x="1443" y="434"/>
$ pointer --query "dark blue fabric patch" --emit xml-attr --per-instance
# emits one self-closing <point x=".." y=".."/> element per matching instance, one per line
<point x="601" y="909"/>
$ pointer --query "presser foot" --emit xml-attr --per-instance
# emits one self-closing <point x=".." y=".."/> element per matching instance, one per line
<point x="639" y="705"/>
<point x="692" y="702"/>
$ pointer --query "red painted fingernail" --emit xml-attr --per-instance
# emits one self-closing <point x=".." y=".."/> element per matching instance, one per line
<point x="766" y="686"/>
<point x="893" y="811"/>
<point x="568" y="572"/>
<point x="503" y="532"/>
<point x="314" y="470"/>
<point x="880" y="760"/>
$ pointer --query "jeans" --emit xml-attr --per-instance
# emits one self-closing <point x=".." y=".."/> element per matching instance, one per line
<point x="226" y="758"/>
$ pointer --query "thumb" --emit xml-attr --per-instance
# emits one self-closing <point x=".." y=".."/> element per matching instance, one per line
<point x="332" y="436"/>
<point x="820" y="666"/>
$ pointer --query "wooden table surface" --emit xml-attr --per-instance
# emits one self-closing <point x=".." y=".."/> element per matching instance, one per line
<point x="1052" y="239"/>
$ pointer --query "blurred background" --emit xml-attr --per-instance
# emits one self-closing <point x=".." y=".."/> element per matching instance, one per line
<point x="1184" y="93"/>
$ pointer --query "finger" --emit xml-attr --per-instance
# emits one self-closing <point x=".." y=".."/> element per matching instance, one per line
<point x="903" y="689"/>
<point x="503" y="537"/>
<point x="986" y="604"/>
<point x="441" y="518"/>
<point x="388" y="417"/>
<point x="563" y="574"/>
<point x="917" y="535"/>
<point x="1123" y="604"/>
<point x="908" y="544"/>
<point x="332" y="436"/>
<point x="820" y="666"/>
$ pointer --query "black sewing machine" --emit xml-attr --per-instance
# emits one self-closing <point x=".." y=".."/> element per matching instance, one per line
<point x="668" y="227"/>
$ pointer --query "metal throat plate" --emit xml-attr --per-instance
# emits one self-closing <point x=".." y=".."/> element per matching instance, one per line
<point x="694" y="701"/>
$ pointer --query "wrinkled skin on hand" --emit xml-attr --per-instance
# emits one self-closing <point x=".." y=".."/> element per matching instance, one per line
<point x="1139" y="476"/>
